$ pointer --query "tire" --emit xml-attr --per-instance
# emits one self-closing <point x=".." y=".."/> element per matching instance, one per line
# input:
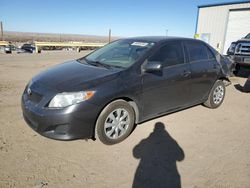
<point x="236" y="69"/>
<point x="109" y="129"/>
<point x="216" y="95"/>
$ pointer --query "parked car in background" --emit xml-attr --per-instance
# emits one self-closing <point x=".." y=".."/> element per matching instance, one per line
<point x="12" y="49"/>
<point x="239" y="52"/>
<point x="9" y="48"/>
<point x="28" y="48"/>
<point x="106" y="93"/>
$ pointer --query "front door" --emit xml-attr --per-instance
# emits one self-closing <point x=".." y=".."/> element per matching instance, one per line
<point x="169" y="89"/>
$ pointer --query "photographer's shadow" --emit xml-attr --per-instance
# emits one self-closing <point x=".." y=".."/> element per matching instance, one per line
<point x="158" y="153"/>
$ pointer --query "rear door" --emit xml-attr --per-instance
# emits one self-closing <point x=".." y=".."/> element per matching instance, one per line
<point x="204" y="70"/>
<point x="168" y="90"/>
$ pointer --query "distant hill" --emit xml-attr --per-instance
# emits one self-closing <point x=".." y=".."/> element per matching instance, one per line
<point x="30" y="37"/>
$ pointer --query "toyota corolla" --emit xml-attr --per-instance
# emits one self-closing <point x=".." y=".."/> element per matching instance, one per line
<point x="106" y="93"/>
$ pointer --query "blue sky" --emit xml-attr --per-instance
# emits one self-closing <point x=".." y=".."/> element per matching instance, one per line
<point x="95" y="17"/>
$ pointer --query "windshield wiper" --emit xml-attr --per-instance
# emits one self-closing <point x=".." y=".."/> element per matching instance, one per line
<point x="94" y="63"/>
<point x="117" y="66"/>
<point x="98" y="63"/>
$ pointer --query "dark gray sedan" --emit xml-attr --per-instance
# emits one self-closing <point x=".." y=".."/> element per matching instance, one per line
<point x="106" y="93"/>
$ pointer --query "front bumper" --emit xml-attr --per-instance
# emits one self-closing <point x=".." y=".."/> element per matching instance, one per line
<point x="239" y="59"/>
<point x="73" y="122"/>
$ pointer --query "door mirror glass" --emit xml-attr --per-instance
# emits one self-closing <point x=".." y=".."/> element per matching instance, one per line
<point x="153" y="66"/>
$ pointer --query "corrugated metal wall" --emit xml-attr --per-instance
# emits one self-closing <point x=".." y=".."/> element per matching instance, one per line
<point x="237" y="27"/>
<point x="212" y="21"/>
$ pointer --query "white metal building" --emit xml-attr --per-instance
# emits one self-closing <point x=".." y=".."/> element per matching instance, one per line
<point x="221" y="24"/>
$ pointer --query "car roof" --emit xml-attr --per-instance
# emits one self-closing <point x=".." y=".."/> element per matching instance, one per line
<point x="159" y="38"/>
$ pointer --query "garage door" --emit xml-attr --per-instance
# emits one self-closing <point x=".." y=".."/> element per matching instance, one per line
<point x="238" y="26"/>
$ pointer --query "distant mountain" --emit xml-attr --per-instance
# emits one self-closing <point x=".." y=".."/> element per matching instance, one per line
<point x="14" y="36"/>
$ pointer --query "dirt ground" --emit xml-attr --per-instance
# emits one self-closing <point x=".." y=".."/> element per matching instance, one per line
<point x="197" y="147"/>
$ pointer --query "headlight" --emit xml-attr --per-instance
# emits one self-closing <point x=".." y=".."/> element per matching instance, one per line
<point x="237" y="48"/>
<point x="66" y="99"/>
<point x="232" y="48"/>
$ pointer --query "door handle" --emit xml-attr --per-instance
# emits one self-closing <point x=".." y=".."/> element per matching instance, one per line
<point x="186" y="73"/>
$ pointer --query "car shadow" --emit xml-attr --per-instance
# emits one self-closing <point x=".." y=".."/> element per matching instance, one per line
<point x="158" y="155"/>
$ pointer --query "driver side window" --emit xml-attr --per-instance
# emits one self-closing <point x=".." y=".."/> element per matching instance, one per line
<point x="169" y="55"/>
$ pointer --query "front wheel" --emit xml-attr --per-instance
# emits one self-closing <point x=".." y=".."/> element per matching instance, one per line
<point x="115" y="122"/>
<point x="216" y="95"/>
<point x="236" y="69"/>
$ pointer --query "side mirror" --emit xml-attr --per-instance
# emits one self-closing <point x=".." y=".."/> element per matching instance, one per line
<point x="152" y="66"/>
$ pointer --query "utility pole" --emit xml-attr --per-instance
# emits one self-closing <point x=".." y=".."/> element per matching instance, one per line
<point x="1" y="27"/>
<point x="109" y="35"/>
<point x="166" y="32"/>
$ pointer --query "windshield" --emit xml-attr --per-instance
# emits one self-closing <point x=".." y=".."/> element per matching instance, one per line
<point x="121" y="53"/>
<point x="248" y="36"/>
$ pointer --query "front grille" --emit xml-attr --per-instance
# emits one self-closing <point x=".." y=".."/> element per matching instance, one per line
<point x="34" y="96"/>
<point x="242" y="49"/>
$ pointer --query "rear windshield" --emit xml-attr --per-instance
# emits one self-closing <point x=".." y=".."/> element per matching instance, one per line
<point x="27" y="45"/>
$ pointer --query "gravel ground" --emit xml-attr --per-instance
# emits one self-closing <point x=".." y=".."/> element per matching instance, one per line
<point x="196" y="147"/>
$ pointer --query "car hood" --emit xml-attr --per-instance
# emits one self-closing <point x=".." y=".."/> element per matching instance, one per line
<point x="244" y="40"/>
<point x="74" y="76"/>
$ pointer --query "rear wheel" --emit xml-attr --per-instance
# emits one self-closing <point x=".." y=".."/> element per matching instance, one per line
<point x="115" y="122"/>
<point x="216" y="95"/>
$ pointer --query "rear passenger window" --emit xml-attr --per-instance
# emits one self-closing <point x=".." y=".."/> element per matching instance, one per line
<point x="170" y="54"/>
<point x="197" y="51"/>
